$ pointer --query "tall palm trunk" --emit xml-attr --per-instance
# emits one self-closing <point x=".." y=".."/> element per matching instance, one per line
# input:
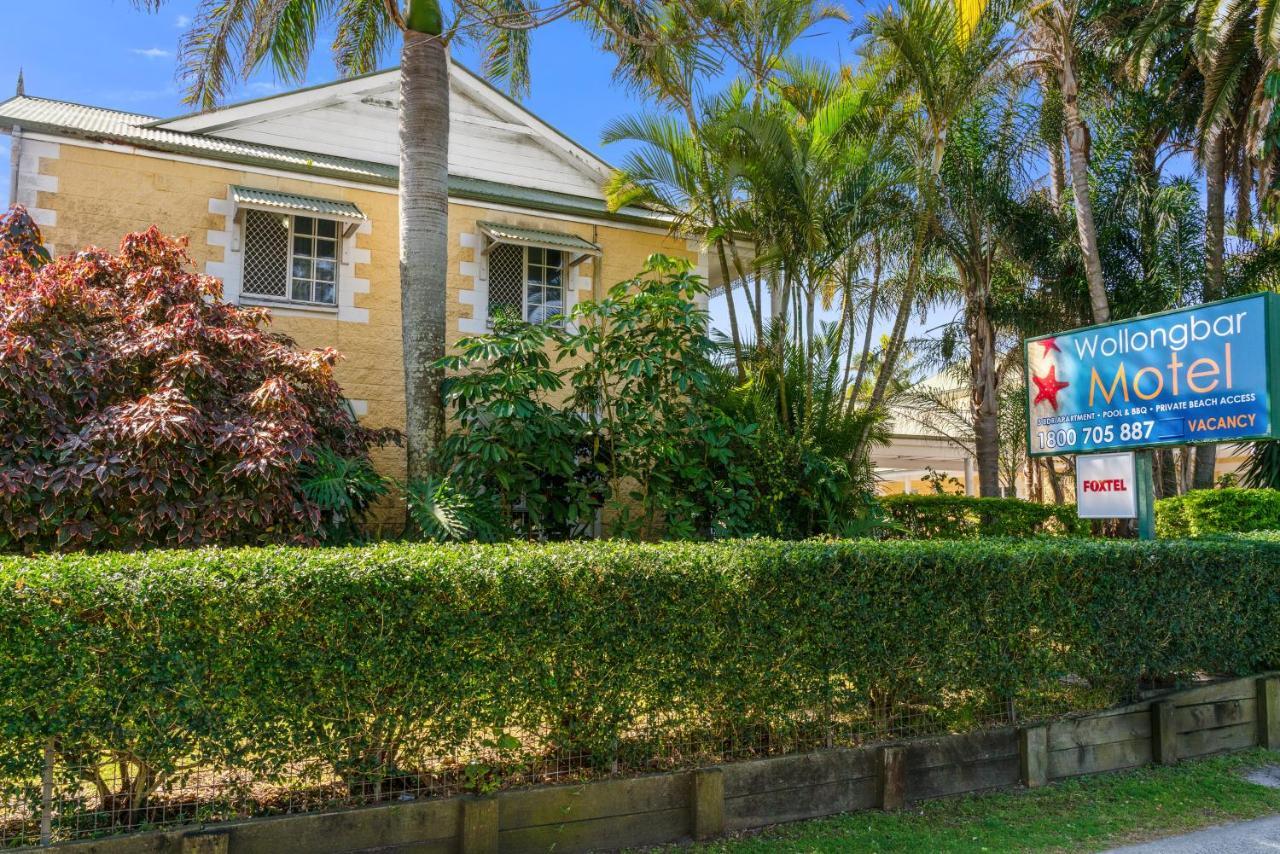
<point x="424" y="220"/>
<point x="982" y="387"/>
<point x="1148" y="174"/>
<point x="1215" y="186"/>
<point x="1078" y="145"/>
<point x="734" y="335"/>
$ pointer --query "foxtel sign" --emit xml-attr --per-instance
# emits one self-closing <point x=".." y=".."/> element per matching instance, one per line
<point x="1200" y="374"/>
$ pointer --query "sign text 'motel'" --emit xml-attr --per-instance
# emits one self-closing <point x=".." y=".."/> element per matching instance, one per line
<point x="1201" y="374"/>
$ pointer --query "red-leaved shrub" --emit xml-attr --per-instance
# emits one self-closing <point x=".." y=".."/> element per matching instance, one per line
<point x="137" y="409"/>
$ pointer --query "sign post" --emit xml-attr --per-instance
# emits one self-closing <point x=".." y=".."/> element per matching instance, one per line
<point x="1146" y="495"/>
<point x="1191" y="376"/>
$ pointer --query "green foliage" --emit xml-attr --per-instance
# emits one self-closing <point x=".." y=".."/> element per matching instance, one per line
<point x="516" y="442"/>
<point x="439" y="512"/>
<point x="808" y="461"/>
<point x="1204" y="512"/>
<point x="343" y="488"/>
<point x="1261" y="470"/>
<point x="368" y="659"/>
<point x="953" y="517"/>
<point x="645" y="386"/>
<point x="638" y="435"/>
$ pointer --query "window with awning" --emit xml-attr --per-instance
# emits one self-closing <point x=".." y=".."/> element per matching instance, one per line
<point x="528" y="269"/>
<point x="292" y="245"/>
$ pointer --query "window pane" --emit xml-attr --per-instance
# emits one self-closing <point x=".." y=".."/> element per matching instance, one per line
<point x="324" y="292"/>
<point x="535" y="274"/>
<point x="535" y="255"/>
<point x="304" y="225"/>
<point x="554" y="258"/>
<point x="326" y="228"/>
<point x="266" y="254"/>
<point x="537" y="310"/>
<point x="302" y="290"/>
<point x="301" y="245"/>
<point x="326" y="249"/>
<point x="326" y="271"/>
<point x="553" y="306"/>
<point x="553" y="276"/>
<point x="301" y="268"/>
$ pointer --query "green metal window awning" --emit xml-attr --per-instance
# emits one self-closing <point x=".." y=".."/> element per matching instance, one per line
<point x="252" y="198"/>
<point x="498" y="232"/>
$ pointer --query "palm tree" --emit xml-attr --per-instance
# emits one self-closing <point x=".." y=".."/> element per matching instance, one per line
<point x="1051" y="41"/>
<point x="817" y="160"/>
<point x="940" y="56"/>
<point x="979" y="184"/>
<point x="231" y="38"/>
<point x="670" y="72"/>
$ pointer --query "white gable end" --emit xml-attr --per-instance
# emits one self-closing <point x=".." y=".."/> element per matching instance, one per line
<point x="490" y="137"/>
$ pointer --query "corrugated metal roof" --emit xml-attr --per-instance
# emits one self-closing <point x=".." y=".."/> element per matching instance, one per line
<point x="63" y="118"/>
<point x="294" y="202"/>
<point x="538" y="236"/>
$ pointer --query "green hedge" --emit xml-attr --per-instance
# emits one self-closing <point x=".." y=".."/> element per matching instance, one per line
<point x="258" y="658"/>
<point x="1204" y="512"/>
<point x="951" y="517"/>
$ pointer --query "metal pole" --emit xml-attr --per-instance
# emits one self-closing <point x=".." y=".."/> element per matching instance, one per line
<point x="1146" y="494"/>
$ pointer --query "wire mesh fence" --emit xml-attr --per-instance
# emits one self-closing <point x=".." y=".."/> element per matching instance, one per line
<point x="85" y="789"/>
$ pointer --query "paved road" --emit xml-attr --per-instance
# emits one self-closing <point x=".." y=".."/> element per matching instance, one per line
<point x="1246" y="837"/>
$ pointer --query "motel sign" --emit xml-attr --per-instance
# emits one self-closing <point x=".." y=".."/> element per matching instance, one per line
<point x="1182" y="377"/>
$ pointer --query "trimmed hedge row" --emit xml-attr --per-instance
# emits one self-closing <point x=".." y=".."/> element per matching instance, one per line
<point x="360" y="657"/>
<point x="961" y="516"/>
<point x="1204" y="512"/>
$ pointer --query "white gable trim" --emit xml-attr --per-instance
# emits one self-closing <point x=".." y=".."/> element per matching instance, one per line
<point x="490" y="97"/>
<point x="517" y="117"/>
<point x="279" y="105"/>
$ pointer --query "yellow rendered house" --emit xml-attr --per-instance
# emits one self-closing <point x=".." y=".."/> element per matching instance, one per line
<point x="292" y="202"/>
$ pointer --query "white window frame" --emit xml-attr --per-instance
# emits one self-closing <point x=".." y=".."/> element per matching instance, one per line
<point x="288" y="300"/>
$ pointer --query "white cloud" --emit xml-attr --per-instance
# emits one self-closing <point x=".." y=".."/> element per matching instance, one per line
<point x="182" y="22"/>
<point x="263" y="88"/>
<point x="150" y="52"/>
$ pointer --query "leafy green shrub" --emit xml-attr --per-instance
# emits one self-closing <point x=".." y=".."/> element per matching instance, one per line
<point x="1203" y="512"/>
<point x="136" y="409"/>
<point x="807" y="460"/>
<point x="625" y="426"/>
<point x="369" y="659"/>
<point x="343" y="488"/>
<point x="952" y="517"/>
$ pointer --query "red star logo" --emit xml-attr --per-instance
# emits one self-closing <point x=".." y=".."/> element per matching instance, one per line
<point x="1050" y="343"/>
<point x="1049" y="386"/>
